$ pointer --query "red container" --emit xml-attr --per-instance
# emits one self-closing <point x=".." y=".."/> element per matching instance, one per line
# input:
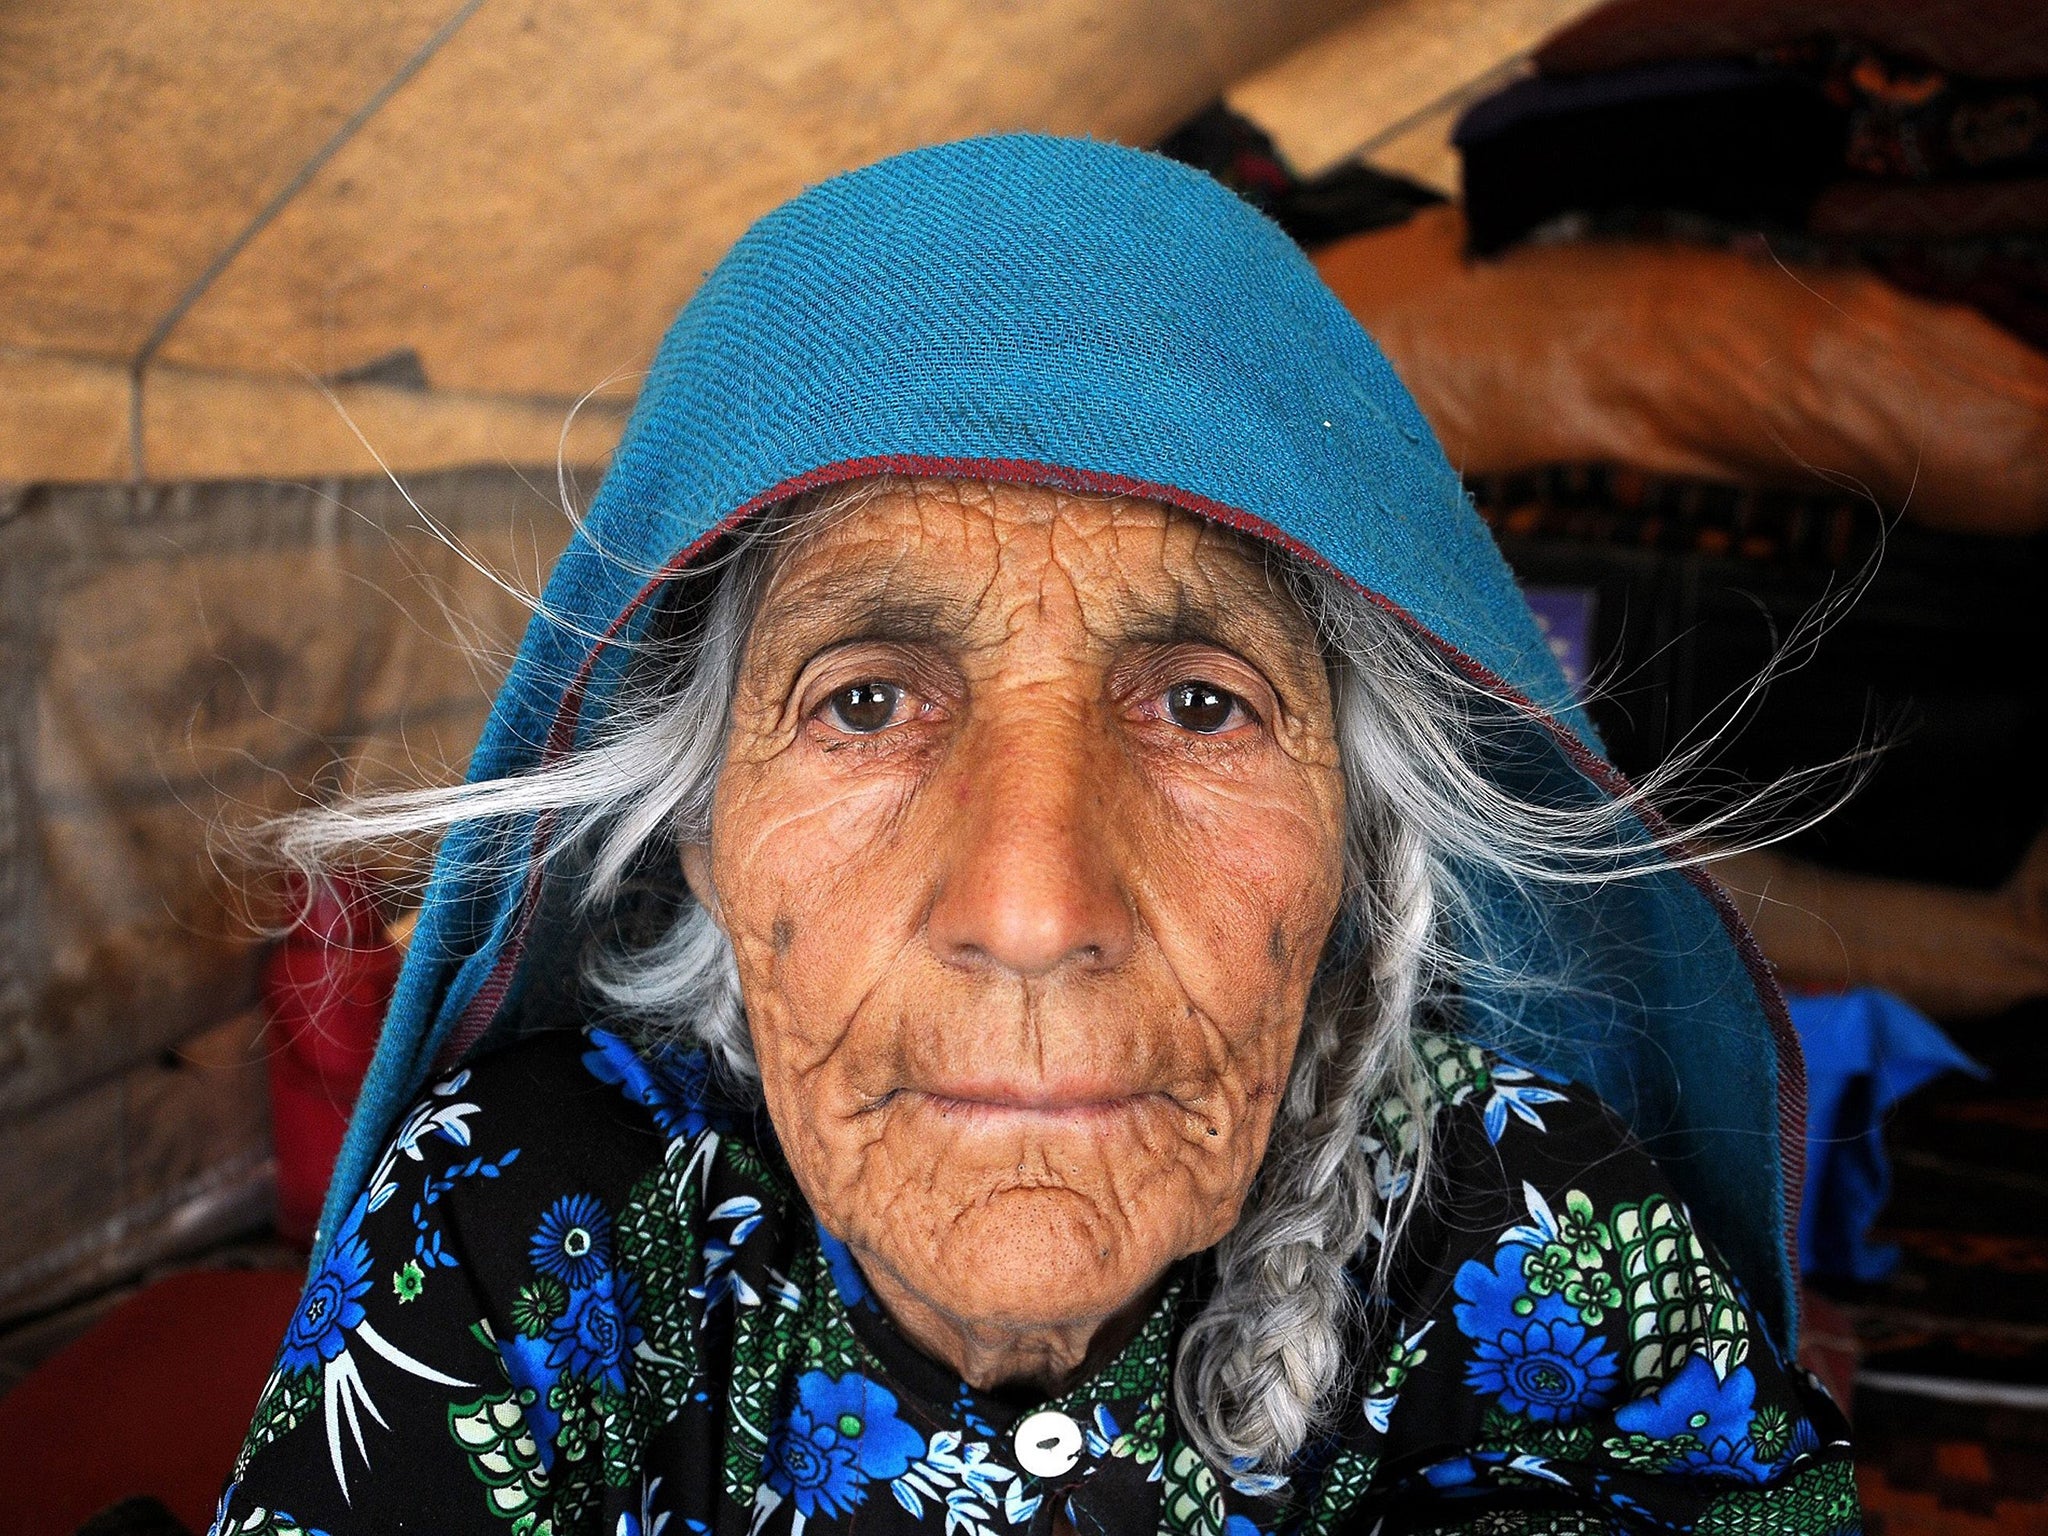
<point x="325" y="990"/>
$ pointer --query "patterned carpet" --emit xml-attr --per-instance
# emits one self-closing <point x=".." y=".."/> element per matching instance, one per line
<point x="1967" y="1312"/>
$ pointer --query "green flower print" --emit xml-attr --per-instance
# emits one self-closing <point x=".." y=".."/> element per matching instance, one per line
<point x="1572" y="1265"/>
<point x="1339" y="1492"/>
<point x="504" y="1457"/>
<point x="1147" y="1435"/>
<point x="1517" y="1435"/>
<point x="1190" y="1502"/>
<point x="538" y="1304"/>
<point x="1770" y="1432"/>
<point x="1401" y="1359"/>
<point x="582" y="1420"/>
<point x="1647" y="1453"/>
<point x="1579" y="1230"/>
<point x="1456" y="1068"/>
<point x="293" y="1397"/>
<point x="680" y="1298"/>
<point x="1548" y="1269"/>
<point x="1592" y="1293"/>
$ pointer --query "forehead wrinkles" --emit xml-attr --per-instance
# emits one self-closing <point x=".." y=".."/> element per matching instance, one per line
<point x="1005" y="555"/>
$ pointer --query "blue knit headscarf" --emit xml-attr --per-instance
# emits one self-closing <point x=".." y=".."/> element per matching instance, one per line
<point x="1070" y="313"/>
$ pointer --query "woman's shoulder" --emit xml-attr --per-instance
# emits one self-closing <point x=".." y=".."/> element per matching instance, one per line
<point x="596" y="1074"/>
<point x="590" y="1097"/>
<point x="1553" y="1311"/>
<point x="533" y="1135"/>
<point x="1509" y="1153"/>
<point x="484" y="1295"/>
<point x="1499" y="1120"/>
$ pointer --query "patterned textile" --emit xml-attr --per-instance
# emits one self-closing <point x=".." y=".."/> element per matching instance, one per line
<point x="1620" y="507"/>
<point x="1987" y="38"/>
<point x="1909" y="122"/>
<point x="1832" y="149"/>
<point x="581" y="1295"/>
<point x="1834" y="110"/>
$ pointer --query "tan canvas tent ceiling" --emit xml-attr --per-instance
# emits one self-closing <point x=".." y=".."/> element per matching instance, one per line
<point x="227" y="231"/>
<point x="251" y="252"/>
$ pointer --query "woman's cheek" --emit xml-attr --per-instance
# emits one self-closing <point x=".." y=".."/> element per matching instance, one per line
<point x="823" y="899"/>
<point x="1256" y="873"/>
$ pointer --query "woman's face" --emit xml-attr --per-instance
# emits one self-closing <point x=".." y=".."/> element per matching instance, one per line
<point x="1028" y="841"/>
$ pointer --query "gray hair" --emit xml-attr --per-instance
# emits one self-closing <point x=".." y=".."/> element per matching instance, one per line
<point x="1261" y="1366"/>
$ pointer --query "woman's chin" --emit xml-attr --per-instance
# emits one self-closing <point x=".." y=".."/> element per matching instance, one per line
<point x="1033" y="1257"/>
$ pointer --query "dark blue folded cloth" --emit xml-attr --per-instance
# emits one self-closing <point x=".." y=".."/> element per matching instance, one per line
<point x="1749" y="144"/>
<point x="1865" y="1050"/>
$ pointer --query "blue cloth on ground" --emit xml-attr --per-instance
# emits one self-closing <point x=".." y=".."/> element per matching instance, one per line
<point x="1072" y="313"/>
<point x="1865" y="1050"/>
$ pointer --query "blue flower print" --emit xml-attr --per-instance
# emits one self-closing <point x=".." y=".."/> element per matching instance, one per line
<point x="333" y="1302"/>
<point x="526" y="1365"/>
<point x="648" y="1520"/>
<point x="591" y="1340"/>
<point x="840" y="1436"/>
<point x="1248" y="1480"/>
<point x="1513" y="1089"/>
<point x="1457" y="1474"/>
<point x="1554" y="1372"/>
<point x="1714" y="1412"/>
<point x="846" y="1276"/>
<point x="1496" y="1300"/>
<point x="671" y="1086"/>
<point x="573" y="1242"/>
<point x="1239" y="1525"/>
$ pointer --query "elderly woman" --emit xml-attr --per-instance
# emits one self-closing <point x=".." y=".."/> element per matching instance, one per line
<point x="1035" y="944"/>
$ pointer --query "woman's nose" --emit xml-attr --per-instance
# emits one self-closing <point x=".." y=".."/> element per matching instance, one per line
<point x="1030" y="883"/>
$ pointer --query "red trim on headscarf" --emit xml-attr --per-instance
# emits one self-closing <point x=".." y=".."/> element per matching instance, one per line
<point x="1791" y="1060"/>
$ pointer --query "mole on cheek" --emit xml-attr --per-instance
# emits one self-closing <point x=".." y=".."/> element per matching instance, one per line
<point x="1276" y="944"/>
<point x="782" y="933"/>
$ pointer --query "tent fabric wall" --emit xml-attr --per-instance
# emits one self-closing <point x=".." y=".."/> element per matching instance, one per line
<point x="1388" y="84"/>
<point x="175" y="662"/>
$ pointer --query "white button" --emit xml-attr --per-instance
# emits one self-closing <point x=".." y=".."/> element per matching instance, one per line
<point x="1048" y="1443"/>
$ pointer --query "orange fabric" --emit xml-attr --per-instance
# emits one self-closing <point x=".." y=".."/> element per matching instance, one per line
<point x="1687" y="360"/>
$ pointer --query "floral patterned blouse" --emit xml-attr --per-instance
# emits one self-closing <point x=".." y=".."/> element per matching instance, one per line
<point x="582" y="1295"/>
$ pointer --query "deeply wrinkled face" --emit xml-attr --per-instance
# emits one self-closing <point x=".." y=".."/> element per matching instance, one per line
<point x="1028" y="841"/>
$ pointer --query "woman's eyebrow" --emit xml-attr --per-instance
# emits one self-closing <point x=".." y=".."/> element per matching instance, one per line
<point x="848" y="607"/>
<point x="895" y="621"/>
<point x="1192" y="620"/>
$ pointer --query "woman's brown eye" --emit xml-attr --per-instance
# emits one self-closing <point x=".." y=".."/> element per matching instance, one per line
<point x="864" y="708"/>
<point x="1201" y="707"/>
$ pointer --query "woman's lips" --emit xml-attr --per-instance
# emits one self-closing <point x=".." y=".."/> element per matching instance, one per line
<point x="1020" y="1108"/>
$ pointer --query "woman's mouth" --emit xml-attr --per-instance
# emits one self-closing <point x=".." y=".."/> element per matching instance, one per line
<point x="999" y="1108"/>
